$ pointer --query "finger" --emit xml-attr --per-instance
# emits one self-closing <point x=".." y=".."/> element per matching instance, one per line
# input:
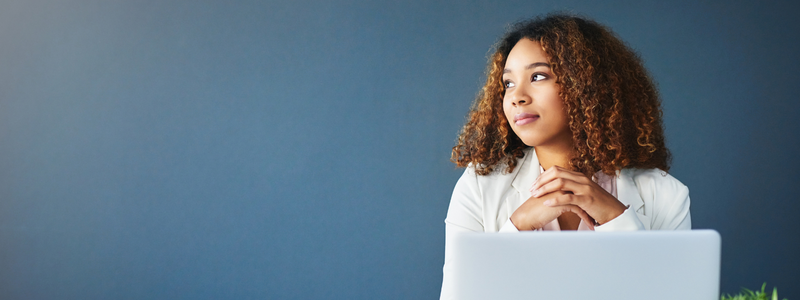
<point x="555" y="173"/>
<point x="585" y="217"/>
<point x="565" y="199"/>
<point x="588" y="220"/>
<point x="559" y="184"/>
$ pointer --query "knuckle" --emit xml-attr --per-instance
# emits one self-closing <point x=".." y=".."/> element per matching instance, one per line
<point x="559" y="182"/>
<point x="563" y="198"/>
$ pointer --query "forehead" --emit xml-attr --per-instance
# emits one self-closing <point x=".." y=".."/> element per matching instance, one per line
<point x="524" y="53"/>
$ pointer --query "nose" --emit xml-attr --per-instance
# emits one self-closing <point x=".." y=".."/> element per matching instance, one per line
<point x="519" y="97"/>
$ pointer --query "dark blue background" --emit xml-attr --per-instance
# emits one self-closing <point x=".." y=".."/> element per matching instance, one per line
<point x="299" y="149"/>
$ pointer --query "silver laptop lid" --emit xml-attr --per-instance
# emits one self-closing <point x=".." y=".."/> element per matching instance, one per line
<point x="588" y="265"/>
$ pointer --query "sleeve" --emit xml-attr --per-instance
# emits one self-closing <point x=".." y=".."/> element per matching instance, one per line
<point x="666" y="202"/>
<point x="509" y="227"/>
<point x="672" y="206"/>
<point x="463" y="215"/>
<point x="627" y="221"/>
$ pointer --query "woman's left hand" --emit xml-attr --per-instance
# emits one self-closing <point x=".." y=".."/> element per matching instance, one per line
<point x="580" y="191"/>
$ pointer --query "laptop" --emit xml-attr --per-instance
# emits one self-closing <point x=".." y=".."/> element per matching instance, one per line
<point x="588" y="265"/>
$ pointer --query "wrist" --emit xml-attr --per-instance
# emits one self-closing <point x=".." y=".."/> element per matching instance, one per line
<point x="519" y="224"/>
<point x="615" y="213"/>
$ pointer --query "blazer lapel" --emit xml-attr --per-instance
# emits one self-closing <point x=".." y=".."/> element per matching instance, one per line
<point x="527" y="172"/>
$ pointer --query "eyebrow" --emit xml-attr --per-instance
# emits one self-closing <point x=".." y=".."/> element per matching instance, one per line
<point x="531" y="66"/>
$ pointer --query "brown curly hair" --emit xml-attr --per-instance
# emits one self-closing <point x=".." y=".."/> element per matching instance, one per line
<point x="611" y="103"/>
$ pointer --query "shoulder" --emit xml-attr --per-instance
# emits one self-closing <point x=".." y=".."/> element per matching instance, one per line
<point x="655" y="179"/>
<point x="496" y="182"/>
<point x="665" y="199"/>
<point x="497" y="178"/>
<point x="657" y="189"/>
<point x="501" y="169"/>
<point x="479" y="202"/>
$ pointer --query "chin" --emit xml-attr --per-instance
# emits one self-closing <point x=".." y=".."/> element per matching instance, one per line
<point x="530" y="142"/>
<point x="534" y="139"/>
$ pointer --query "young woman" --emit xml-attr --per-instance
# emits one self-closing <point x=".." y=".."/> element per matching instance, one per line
<point x="566" y="134"/>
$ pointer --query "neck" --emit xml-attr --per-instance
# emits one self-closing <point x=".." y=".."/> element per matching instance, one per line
<point x="553" y="156"/>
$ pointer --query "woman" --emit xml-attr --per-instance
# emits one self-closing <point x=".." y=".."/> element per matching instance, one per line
<point x="566" y="134"/>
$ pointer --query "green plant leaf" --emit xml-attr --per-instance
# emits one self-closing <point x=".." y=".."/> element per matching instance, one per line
<point x="746" y="294"/>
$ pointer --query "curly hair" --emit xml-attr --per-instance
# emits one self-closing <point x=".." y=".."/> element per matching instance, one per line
<point x="612" y="105"/>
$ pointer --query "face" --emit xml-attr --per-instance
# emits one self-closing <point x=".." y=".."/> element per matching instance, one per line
<point x="531" y="103"/>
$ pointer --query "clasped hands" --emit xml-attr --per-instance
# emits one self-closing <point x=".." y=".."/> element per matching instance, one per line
<point x="558" y="191"/>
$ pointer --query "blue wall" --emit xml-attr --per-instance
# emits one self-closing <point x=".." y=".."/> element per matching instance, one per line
<point x="299" y="150"/>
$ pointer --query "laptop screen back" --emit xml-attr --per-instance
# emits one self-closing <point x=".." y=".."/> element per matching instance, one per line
<point x="588" y="265"/>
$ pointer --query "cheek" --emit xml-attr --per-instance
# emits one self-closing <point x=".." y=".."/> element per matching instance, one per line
<point x="555" y="104"/>
<point x="562" y="113"/>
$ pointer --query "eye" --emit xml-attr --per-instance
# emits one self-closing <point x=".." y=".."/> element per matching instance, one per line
<point x="508" y="84"/>
<point x="538" y="77"/>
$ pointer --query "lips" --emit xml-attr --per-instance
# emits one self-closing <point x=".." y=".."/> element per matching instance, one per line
<point x="524" y="118"/>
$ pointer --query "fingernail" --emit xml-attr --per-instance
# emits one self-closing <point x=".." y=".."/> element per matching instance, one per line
<point x="536" y="193"/>
<point x="548" y="202"/>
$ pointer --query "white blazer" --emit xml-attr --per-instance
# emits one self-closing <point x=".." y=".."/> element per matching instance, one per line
<point x="656" y="201"/>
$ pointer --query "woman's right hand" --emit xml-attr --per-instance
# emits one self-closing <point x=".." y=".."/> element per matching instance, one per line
<point x="533" y="215"/>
